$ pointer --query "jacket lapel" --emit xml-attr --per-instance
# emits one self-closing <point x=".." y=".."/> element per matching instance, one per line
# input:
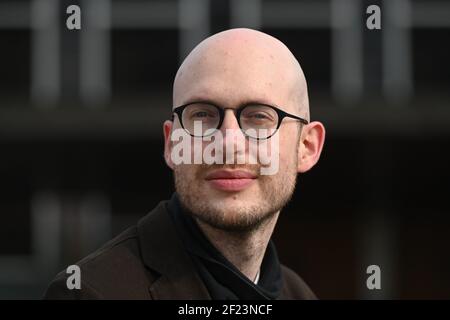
<point x="163" y="252"/>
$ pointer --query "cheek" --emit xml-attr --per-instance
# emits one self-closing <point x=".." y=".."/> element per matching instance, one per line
<point x="287" y="153"/>
<point x="186" y="172"/>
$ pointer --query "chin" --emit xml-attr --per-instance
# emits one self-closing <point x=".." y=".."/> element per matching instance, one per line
<point x="234" y="200"/>
<point x="234" y="206"/>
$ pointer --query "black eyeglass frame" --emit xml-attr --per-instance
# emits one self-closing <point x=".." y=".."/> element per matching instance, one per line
<point x="237" y="112"/>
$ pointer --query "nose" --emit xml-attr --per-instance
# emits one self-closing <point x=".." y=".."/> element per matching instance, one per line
<point x="229" y="121"/>
<point x="234" y="139"/>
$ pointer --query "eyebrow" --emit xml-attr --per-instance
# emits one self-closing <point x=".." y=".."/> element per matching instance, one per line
<point x="242" y="103"/>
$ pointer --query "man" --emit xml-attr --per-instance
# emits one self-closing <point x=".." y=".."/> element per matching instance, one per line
<point x="212" y="239"/>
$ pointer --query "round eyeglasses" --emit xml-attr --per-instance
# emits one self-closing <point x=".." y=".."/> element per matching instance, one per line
<point x="256" y="120"/>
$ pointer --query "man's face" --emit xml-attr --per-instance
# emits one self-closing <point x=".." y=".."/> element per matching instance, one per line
<point x="236" y="196"/>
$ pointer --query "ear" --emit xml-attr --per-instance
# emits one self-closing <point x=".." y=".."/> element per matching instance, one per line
<point x="167" y="128"/>
<point x="311" y="144"/>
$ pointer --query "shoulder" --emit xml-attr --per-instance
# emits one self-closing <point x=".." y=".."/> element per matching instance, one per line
<point x="113" y="271"/>
<point x="294" y="287"/>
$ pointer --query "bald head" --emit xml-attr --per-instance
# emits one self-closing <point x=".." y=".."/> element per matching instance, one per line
<point x="239" y="66"/>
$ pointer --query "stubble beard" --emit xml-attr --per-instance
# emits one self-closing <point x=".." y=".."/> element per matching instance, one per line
<point x="275" y="191"/>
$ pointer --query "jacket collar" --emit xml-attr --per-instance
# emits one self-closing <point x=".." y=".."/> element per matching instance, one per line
<point x="163" y="252"/>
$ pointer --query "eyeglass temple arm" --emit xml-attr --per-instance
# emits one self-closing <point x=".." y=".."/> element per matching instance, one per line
<point x="304" y="121"/>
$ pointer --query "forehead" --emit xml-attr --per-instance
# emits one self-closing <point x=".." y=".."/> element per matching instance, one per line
<point x="232" y="76"/>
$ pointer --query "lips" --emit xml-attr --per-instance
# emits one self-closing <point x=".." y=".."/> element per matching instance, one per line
<point x="230" y="180"/>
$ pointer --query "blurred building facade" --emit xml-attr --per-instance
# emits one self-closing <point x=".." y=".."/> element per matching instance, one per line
<point x="81" y="139"/>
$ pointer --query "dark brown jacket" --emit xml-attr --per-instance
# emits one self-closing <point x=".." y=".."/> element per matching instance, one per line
<point x="148" y="261"/>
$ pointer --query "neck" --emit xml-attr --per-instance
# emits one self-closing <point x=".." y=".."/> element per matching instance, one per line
<point x="244" y="250"/>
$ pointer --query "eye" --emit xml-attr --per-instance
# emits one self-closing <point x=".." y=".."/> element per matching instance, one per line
<point x="259" y="116"/>
<point x="199" y="114"/>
